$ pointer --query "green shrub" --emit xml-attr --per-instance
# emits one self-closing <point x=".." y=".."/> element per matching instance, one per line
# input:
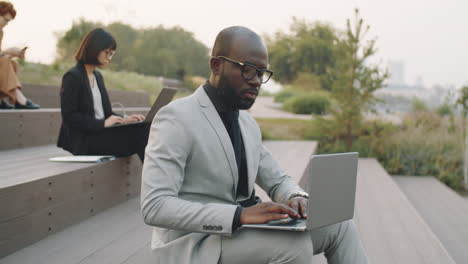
<point x="306" y="82"/>
<point x="425" y="144"/>
<point x="307" y="104"/>
<point x="418" y="105"/>
<point x="444" y="109"/>
<point x="284" y="95"/>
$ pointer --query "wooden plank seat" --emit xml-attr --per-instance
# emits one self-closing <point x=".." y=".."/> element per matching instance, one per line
<point x="40" y="197"/>
<point x="48" y="96"/>
<point x="445" y="211"/>
<point x="27" y="128"/>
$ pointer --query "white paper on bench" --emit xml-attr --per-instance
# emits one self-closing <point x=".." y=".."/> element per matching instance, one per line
<point x="82" y="158"/>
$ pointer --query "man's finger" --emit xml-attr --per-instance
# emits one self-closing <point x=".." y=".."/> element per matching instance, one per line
<point x="269" y="217"/>
<point x="285" y="209"/>
<point x="294" y="204"/>
<point x="303" y="208"/>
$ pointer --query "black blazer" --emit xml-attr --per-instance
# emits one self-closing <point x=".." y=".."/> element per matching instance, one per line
<point x="78" y="119"/>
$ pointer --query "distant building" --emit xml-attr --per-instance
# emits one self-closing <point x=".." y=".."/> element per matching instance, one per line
<point x="397" y="73"/>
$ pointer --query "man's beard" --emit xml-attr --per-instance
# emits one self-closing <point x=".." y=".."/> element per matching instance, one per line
<point x="231" y="96"/>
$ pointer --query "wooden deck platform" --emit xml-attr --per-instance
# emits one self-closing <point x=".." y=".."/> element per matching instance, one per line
<point x="391" y="229"/>
<point x="40" y="197"/>
<point x="118" y="235"/>
<point x="445" y="211"/>
<point x="293" y="157"/>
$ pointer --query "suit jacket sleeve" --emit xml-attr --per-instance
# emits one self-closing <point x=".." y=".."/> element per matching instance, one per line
<point x="71" y="98"/>
<point x="167" y="153"/>
<point x="273" y="179"/>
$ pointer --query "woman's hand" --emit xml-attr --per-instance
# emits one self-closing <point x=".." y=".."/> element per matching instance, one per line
<point x="15" y="52"/>
<point x="112" y="120"/>
<point x="133" y="119"/>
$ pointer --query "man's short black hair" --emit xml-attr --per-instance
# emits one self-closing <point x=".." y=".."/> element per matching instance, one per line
<point x="92" y="44"/>
<point x="225" y="39"/>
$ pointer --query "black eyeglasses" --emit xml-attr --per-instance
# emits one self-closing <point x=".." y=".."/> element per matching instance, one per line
<point x="109" y="54"/>
<point x="249" y="71"/>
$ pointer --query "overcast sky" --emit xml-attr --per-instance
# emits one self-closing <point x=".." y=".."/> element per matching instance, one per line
<point x="429" y="36"/>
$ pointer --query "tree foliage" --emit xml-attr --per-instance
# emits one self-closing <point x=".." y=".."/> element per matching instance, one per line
<point x="308" y="48"/>
<point x="354" y="82"/>
<point x="463" y="102"/>
<point x="156" y="51"/>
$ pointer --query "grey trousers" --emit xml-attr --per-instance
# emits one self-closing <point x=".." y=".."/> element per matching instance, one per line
<point x="340" y="243"/>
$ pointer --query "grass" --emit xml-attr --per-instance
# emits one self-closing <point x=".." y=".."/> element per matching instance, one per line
<point x="43" y="74"/>
<point x="287" y="129"/>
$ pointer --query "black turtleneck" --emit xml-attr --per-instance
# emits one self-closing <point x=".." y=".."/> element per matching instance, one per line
<point x="230" y="118"/>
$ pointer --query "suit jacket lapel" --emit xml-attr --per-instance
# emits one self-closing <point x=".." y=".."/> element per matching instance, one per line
<point x="216" y="123"/>
<point x="89" y="95"/>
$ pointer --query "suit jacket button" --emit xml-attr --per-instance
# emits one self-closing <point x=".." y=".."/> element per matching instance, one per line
<point x="205" y="227"/>
<point x="220" y="228"/>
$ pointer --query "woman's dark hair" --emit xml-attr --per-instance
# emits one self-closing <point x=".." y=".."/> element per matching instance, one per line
<point x="94" y="42"/>
<point x="7" y="8"/>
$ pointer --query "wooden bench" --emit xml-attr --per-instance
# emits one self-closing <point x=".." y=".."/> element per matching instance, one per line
<point x="445" y="211"/>
<point x="40" y="197"/>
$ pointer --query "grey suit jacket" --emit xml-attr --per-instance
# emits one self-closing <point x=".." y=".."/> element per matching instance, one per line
<point x="190" y="179"/>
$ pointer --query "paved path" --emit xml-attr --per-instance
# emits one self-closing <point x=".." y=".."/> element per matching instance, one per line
<point x="265" y="107"/>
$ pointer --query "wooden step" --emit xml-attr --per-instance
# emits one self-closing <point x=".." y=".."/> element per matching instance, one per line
<point x="40" y="197"/>
<point x="118" y="235"/>
<point x="445" y="211"/>
<point x="391" y="229"/>
<point x="292" y="156"/>
<point x="28" y="128"/>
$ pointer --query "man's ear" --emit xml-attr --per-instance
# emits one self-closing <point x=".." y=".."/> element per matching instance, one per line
<point x="216" y="66"/>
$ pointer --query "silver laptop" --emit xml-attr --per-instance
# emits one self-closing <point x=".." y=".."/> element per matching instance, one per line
<point x="164" y="97"/>
<point x="331" y="188"/>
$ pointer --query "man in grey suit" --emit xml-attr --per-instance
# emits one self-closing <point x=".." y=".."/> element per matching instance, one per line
<point x="203" y="158"/>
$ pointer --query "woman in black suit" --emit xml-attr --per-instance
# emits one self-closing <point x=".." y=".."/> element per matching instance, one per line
<point x="87" y="117"/>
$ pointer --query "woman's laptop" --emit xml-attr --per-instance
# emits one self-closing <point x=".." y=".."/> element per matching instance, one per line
<point x="164" y="97"/>
<point x="332" y="190"/>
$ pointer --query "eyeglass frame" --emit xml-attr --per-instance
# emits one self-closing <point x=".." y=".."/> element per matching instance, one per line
<point x="109" y="54"/>
<point x="243" y="64"/>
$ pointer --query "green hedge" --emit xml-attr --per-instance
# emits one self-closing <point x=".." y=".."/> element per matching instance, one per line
<point x="307" y="104"/>
<point x="284" y="95"/>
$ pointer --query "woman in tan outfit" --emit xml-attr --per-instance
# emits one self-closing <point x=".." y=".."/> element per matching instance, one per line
<point x="10" y="87"/>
